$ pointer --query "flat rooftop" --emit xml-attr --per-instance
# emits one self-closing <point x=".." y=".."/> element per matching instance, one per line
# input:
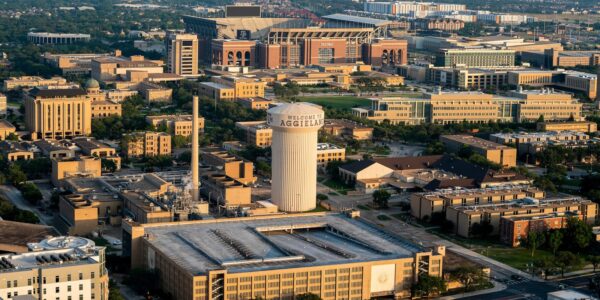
<point x="475" y="142"/>
<point x="291" y="241"/>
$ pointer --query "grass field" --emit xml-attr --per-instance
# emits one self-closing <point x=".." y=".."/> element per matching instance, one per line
<point x="340" y="102"/>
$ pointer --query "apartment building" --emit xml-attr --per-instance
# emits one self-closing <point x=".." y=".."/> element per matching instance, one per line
<point x="473" y="107"/>
<point x="514" y="230"/>
<point x="182" y="53"/>
<point x="232" y="88"/>
<point x="424" y="205"/>
<point x="58" y="113"/>
<point x="503" y="155"/>
<point x="147" y="143"/>
<point x="28" y="82"/>
<point x="175" y="124"/>
<point x="257" y="133"/>
<point x="205" y="271"/>
<point x="463" y="217"/>
<point x="64" y="267"/>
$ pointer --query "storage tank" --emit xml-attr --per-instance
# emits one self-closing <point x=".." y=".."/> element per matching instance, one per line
<point x="294" y="155"/>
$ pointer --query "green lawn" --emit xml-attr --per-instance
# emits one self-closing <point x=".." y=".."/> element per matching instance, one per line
<point x="341" y="102"/>
<point x="514" y="257"/>
<point x="363" y="207"/>
<point x="383" y="218"/>
<point x="339" y="187"/>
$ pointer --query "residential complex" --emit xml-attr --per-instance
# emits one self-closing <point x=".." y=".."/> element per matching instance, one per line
<point x="56" y="268"/>
<point x="473" y="107"/>
<point x="497" y="153"/>
<point x="349" y="258"/>
<point x="147" y="143"/>
<point x="182" y="53"/>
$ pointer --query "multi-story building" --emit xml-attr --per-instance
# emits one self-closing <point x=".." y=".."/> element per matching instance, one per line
<point x="464" y="217"/>
<point x="26" y="82"/>
<point x="468" y="78"/>
<point x="255" y="103"/>
<point x="57" y="38"/>
<point x="347" y="129"/>
<point x="74" y="167"/>
<point x="6" y="129"/>
<point x="58" y="113"/>
<point x="112" y="67"/>
<point x="232" y="167"/>
<point x="105" y="108"/>
<point x="444" y="24"/>
<point x="327" y="153"/>
<point x="182" y="54"/>
<point x="475" y="58"/>
<point x="74" y="63"/>
<point x="226" y="191"/>
<point x="473" y="107"/>
<point x="176" y="124"/>
<point x="257" y="133"/>
<point x="514" y="230"/>
<point x="15" y="151"/>
<point x="54" y="148"/>
<point x="583" y="126"/>
<point x="147" y="143"/>
<point x="231" y="88"/>
<point x="552" y="58"/>
<point x="56" y="268"/>
<point x="503" y="155"/>
<point x="92" y="147"/>
<point x="3" y="104"/>
<point x="411" y="8"/>
<point x="370" y="264"/>
<point x="424" y="205"/>
<point x="570" y="80"/>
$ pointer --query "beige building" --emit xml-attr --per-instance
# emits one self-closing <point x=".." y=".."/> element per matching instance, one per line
<point x="472" y="107"/>
<point x="327" y="153"/>
<point x="58" y="113"/>
<point x="424" y="205"/>
<point x="148" y="143"/>
<point x="153" y="92"/>
<point x="112" y="68"/>
<point x="54" y="148"/>
<point x="14" y="151"/>
<point x="503" y="155"/>
<point x="584" y="126"/>
<point x="226" y="191"/>
<point x="56" y="268"/>
<point x="182" y="53"/>
<point x="255" y="103"/>
<point x="570" y="80"/>
<point x="347" y="129"/>
<point x="107" y="108"/>
<point x="6" y="129"/>
<point x="3" y="104"/>
<point x="231" y="88"/>
<point x="257" y="133"/>
<point x="356" y="262"/>
<point x="231" y="166"/>
<point x="92" y="147"/>
<point x="176" y="124"/>
<point x="27" y="82"/>
<point x="463" y="217"/>
<point x="75" y="167"/>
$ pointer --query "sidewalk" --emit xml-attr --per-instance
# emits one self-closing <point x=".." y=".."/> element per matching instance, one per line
<point x="497" y="288"/>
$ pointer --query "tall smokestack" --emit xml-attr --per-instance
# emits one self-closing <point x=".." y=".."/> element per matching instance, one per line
<point x="195" y="154"/>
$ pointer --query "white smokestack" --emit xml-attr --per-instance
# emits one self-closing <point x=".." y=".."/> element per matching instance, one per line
<point x="195" y="150"/>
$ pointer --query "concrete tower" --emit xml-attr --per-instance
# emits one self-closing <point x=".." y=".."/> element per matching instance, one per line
<point x="294" y="155"/>
<point x="195" y="150"/>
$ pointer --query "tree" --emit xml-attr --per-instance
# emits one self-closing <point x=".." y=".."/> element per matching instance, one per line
<point x="578" y="234"/>
<point x="113" y="291"/>
<point x="535" y="240"/>
<point x="566" y="261"/>
<point x="179" y="141"/>
<point x="31" y="193"/>
<point x="381" y="198"/>
<point x="555" y="239"/>
<point x="540" y="119"/>
<point x="544" y="265"/>
<point x="428" y="286"/>
<point x="469" y="276"/>
<point x="16" y="176"/>
<point x="108" y="165"/>
<point x="595" y="260"/>
<point x="307" y="296"/>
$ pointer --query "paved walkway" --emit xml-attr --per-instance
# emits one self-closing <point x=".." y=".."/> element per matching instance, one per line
<point x="498" y="287"/>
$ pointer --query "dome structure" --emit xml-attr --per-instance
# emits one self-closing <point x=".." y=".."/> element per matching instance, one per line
<point x="92" y="84"/>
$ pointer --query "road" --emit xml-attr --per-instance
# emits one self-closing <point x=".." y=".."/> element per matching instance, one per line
<point x="13" y="195"/>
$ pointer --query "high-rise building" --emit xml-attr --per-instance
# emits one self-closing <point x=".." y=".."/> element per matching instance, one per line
<point x="58" y="113"/>
<point x="295" y="131"/>
<point x="56" y="268"/>
<point x="182" y="54"/>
